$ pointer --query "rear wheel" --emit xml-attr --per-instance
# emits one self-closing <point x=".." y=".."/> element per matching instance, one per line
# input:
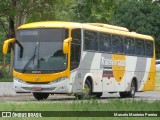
<point x="86" y="91"/>
<point x="131" y="92"/>
<point x="40" y="96"/>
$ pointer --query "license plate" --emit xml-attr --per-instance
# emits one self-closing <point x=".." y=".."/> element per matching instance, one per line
<point x="37" y="88"/>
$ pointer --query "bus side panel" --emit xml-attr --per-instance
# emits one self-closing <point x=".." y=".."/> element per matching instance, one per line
<point x="137" y="67"/>
<point x="89" y="66"/>
<point x="96" y="71"/>
<point x="130" y="71"/>
<point x="76" y="81"/>
<point x="108" y="80"/>
<point x="114" y="78"/>
<point x="119" y="66"/>
<point x="128" y="78"/>
<point x="142" y="70"/>
<point x="150" y="80"/>
<point x="119" y="80"/>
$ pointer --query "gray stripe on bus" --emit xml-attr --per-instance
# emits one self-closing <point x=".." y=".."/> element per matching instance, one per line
<point x="84" y="68"/>
<point x="140" y="69"/>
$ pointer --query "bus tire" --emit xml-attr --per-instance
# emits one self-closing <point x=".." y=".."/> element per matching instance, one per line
<point x="40" y="96"/>
<point x="131" y="92"/>
<point x="87" y="91"/>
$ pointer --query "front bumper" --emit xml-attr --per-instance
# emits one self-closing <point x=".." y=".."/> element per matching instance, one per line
<point x="58" y="87"/>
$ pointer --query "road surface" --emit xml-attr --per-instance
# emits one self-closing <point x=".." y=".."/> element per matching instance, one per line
<point x="148" y="96"/>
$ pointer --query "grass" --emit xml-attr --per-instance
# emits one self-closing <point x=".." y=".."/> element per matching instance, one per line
<point x="83" y="105"/>
<point x="87" y="105"/>
<point x="5" y="77"/>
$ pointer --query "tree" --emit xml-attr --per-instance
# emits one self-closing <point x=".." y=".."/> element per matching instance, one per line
<point x="140" y="16"/>
<point x="94" y="10"/>
<point x="16" y="11"/>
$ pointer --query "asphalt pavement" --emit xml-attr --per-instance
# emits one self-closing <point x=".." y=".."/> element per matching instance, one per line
<point x="147" y="96"/>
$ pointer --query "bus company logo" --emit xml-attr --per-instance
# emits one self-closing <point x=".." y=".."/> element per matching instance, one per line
<point x="37" y="79"/>
<point x="109" y="62"/>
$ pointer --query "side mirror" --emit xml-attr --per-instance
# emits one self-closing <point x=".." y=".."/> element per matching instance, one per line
<point x="6" y="44"/>
<point x="66" y="45"/>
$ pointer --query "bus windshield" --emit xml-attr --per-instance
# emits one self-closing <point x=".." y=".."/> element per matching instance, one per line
<point x="42" y="50"/>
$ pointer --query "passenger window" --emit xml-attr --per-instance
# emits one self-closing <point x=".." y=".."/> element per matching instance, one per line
<point x="117" y="44"/>
<point x="140" y="51"/>
<point x="149" y="48"/>
<point x="75" y="48"/>
<point x="129" y="46"/>
<point x="105" y="43"/>
<point x="91" y="40"/>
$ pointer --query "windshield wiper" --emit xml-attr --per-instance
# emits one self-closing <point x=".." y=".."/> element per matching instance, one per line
<point x="29" y="61"/>
<point x="21" y="48"/>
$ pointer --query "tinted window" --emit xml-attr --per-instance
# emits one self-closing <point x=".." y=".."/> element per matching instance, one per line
<point x="139" y="47"/>
<point x="48" y="36"/>
<point x="129" y="46"/>
<point x="149" y="48"/>
<point x="75" y="48"/>
<point x="157" y="62"/>
<point x="90" y="40"/>
<point x="105" y="43"/>
<point x="42" y="50"/>
<point x="29" y="35"/>
<point x="117" y="44"/>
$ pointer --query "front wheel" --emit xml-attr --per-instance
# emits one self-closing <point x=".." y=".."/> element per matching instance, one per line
<point x="86" y="91"/>
<point x="40" y="96"/>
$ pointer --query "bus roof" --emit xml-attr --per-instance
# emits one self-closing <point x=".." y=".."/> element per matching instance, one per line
<point x="89" y="26"/>
<point x="109" y="26"/>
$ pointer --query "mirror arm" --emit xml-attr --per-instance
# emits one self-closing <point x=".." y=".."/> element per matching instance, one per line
<point x="6" y="43"/>
<point x="12" y="40"/>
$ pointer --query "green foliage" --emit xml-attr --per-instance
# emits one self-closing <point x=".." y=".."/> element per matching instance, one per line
<point x="83" y="105"/>
<point x="89" y="105"/>
<point x="94" y="10"/>
<point x="5" y="77"/>
<point x="53" y="10"/>
<point x="139" y="16"/>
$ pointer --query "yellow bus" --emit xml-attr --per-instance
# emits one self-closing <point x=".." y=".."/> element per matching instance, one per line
<point x="83" y="59"/>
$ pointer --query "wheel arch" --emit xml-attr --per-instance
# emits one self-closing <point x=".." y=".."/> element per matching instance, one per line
<point x="88" y="77"/>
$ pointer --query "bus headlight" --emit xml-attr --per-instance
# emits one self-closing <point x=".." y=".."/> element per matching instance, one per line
<point x="18" y="80"/>
<point x="58" y="80"/>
